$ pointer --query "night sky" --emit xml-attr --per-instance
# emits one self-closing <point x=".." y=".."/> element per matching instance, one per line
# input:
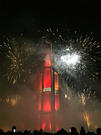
<point x="29" y="18"/>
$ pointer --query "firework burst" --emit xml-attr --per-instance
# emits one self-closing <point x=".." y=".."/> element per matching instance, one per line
<point x="76" y="57"/>
<point x="13" y="54"/>
<point x="74" y="53"/>
<point x="16" y="67"/>
<point x="23" y="58"/>
<point x="84" y="104"/>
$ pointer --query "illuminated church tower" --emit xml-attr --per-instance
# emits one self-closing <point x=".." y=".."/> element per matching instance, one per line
<point x="49" y="102"/>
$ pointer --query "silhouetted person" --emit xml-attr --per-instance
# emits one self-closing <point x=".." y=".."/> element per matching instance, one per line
<point x="41" y="132"/>
<point x="82" y="131"/>
<point x="62" y="132"/>
<point x="74" y="131"/>
<point x="8" y="133"/>
<point x="36" y="132"/>
<point x="26" y="132"/>
<point x="98" y="131"/>
<point x="14" y="129"/>
<point x="90" y="133"/>
<point x="1" y="132"/>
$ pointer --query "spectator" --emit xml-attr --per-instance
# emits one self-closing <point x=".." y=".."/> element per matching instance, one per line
<point x="62" y="132"/>
<point x="82" y="131"/>
<point x="1" y="132"/>
<point x="74" y="131"/>
<point x="98" y="131"/>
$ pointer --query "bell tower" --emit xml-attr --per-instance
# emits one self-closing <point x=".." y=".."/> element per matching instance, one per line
<point x="49" y="102"/>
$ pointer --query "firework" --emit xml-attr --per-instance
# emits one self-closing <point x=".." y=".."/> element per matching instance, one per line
<point x="87" y="119"/>
<point x="23" y="58"/>
<point x="13" y="54"/>
<point x="11" y="100"/>
<point x="83" y="104"/>
<point x="87" y="96"/>
<point x="75" y="57"/>
<point x="15" y="69"/>
<point x="70" y="59"/>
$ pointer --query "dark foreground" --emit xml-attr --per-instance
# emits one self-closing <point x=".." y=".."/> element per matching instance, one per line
<point x="73" y="131"/>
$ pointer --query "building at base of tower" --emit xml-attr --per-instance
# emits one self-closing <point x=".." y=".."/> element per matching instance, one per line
<point x="48" y="101"/>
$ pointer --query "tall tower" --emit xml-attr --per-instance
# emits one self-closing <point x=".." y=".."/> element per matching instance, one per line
<point x="49" y="102"/>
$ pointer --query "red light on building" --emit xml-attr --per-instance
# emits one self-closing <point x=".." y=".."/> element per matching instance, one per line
<point x="47" y="102"/>
<point x="47" y="62"/>
<point x="41" y="82"/>
<point x="49" y="93"/>
<point x="50" y="126"/>
<point x="43" y="125"/>
<point x="57" y="102"/>
<point x="39" y="103"/>
<point x="56" y="83"/>
<point x="57" y="128"/>
<point x="47" y="77"/>
<point x="56" y="89"/>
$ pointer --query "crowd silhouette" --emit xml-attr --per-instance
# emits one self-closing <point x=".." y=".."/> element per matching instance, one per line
<point x="73" y="131"/>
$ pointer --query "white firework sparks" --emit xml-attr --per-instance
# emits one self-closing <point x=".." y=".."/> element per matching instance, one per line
<point x="70" y="60"/>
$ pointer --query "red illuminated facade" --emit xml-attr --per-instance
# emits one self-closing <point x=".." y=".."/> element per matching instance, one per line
<point x="49" y="93"/>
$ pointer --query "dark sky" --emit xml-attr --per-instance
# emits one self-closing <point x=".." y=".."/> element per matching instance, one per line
<point x="27" y="17"/>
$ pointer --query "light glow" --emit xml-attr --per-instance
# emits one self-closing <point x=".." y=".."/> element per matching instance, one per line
<point x="47" y="102"/>
<point x="39" y="103"/>
<point x="43" y="125"/>
<point x="40" y="82"/>
<point x="56" y="83"/>
<point x="47" y="77"/>
<point x="87" y="119"/>
<point x="57" y="104"/>
<point x="70" y="59"/>
<point x="14" y="130"/>
<point x="47" y="59"/>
